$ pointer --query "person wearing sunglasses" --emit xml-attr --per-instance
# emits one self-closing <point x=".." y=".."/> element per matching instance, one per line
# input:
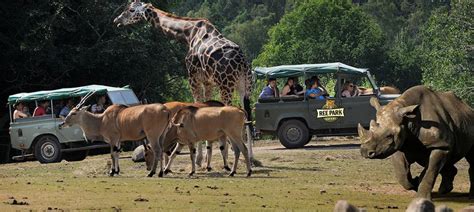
<point x="349" y="90"/>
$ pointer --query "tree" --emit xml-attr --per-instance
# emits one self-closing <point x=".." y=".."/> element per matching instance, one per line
<point x="447" y="50"/>
<point x="57" y="43"/>
<point x="320" y="31"/>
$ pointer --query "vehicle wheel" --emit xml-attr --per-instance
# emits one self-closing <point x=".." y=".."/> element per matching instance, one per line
<point x="309" y="139"/>
<point x="48" y="149"/>
<point x="293" y="134"/>
<point x="76" y="155"/>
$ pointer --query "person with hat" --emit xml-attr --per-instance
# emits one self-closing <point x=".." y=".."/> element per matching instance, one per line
<point x="271" y="90"/>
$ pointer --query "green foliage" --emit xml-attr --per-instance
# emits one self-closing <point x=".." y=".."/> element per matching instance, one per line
<point x="53" y="44"/>
<point x="401" y="21"/>
<point x="446" y="51"/>
<point x="319" y="31"/>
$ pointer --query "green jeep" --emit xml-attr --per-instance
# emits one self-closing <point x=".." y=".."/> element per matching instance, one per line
<point x="42" y="138"/>
<point x="295" y="119"/>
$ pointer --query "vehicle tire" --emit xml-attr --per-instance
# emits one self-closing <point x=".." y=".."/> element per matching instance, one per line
<point x="48" y="149"/>
<point x="76" y="155"/>
<point x="293" y="134"/>
<point x="309" y="139"/>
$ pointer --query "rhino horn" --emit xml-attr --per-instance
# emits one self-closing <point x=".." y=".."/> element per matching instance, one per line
<point x="375" y="103"/>
<point x="362" y="132"/>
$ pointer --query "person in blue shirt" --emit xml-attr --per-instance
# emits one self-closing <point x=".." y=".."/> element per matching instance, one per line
<point x="271" y="90"/>
<point x="314" y="92"/>
<point x="66" y="109"/>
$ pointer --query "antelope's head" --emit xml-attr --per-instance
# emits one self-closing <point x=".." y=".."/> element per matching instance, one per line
<point x="76" y="113"/>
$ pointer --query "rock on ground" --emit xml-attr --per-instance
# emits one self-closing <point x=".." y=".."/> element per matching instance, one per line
<point x="468" y="209"/>
<point x="138" y="154"/>
<point x="443" y="208"/>
<point x="344" y="206"/>
<point x="421" y="205"/>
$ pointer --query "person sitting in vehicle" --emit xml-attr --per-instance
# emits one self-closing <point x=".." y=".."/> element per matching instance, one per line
<point x="41" y="109"/>
<point x="271" y="90"/>
<point x="349" y="90"/>
<point x="299" y="89"/>
<point x="289" y="89"/>
<point x="18" y="113"/>
<point x="99" y="107"/>
<point x="320" y="85"/>
<point x="314" y="92"/>
<point x="66" y="109"/>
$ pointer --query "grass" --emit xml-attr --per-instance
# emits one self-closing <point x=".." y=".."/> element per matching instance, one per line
<point x="313" y="179"/>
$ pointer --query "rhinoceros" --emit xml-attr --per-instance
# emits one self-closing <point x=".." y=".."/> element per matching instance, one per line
<point x="433" y="129"/>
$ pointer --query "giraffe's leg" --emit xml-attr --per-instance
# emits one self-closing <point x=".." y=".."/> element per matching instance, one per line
<point x="196" y="86"/>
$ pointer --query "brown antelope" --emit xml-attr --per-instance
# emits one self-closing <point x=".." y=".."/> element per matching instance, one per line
<point x="172" y="137"/>
<point x="120" y="123"/>
<point x="193" y="124"/>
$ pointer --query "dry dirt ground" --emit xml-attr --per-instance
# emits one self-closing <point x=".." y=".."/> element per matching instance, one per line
<point x="312" y="178"/>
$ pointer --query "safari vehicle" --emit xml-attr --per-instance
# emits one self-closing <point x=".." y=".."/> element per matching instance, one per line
<point x="41" y="136"/>
<point x="296" y="119"/>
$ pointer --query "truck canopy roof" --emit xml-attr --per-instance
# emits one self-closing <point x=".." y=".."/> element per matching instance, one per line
<point x="306" y="69"/>
<point x="63" y="93"/>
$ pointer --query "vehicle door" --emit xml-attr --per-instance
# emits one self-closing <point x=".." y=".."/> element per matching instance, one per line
<point x="65" y="134"/>
<point x="325" y="114"/>
<point x="357" y="109"/>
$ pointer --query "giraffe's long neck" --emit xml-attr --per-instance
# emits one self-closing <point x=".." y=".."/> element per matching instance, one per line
<point x="182" y="29"/>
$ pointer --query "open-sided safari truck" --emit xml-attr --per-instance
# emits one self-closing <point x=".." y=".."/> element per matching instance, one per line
<point x="42" y="138"/>
<point x="296" y="119"/>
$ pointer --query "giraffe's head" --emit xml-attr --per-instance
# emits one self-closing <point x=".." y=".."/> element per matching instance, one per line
<point x="133" y="13"/>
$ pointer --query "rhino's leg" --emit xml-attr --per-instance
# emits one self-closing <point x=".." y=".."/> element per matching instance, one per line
<point x="470" y="159"/>
<point x="436" y="162"/>
<point x="448" y="173"/>
<point x="402" y="171"/>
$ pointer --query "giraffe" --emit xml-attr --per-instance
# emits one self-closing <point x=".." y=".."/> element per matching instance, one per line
<point x="211" y="60"/>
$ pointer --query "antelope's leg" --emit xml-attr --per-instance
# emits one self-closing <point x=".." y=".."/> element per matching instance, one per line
<point x="199" y="156"/>
<point x="236" y="158"/>
<point x="117" y="156"/>
<point x="176" y="151"/>
<point x="208" y="155"/>
<point x="224" y="147"/>
<point x="192" y="153"/>
<point x="241" y="146"/>
<point x="112" y="157"/>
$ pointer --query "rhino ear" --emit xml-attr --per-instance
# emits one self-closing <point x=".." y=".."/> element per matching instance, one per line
<point x="408" y="111"/>
<point x="373" y="124"/>
<point x="375" y="103"/>
<point x="362" y="132"/>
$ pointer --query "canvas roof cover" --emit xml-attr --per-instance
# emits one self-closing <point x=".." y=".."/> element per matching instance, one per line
<point x="62" y="93"/>
<point x="302" y="69"/>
